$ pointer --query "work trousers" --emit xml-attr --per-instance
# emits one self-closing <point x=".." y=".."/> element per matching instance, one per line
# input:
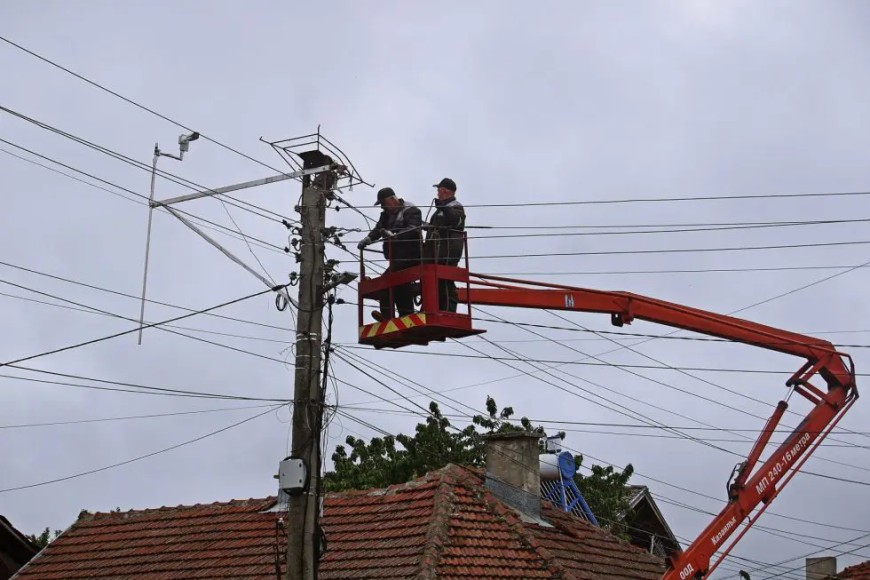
<point x="403" y="295"/>
<point x="448" y="298"/>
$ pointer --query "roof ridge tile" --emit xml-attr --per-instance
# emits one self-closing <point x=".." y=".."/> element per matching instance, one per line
<point x="253" y="501"/>
<point x="438" y="530"/>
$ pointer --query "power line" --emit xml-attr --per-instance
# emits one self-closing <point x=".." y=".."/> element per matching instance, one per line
<point x="784" y="196"/>
<point x="558" y="422"/>
<point x="175" y="326"/>
<point x="677" y="271"/>
<point x="132" y="330"/>
<point x="122" y="188"/>
<point x="716" y="499"/>
<point x="588" y="226"/>
<point x="163" y="327"/>
<point x="140" y="457"/>
<point x="691" y="393"/>
<point x="667" y="251"/>
<point x="648" y="419"/>
<point x="131" y="417"/>
<point x="129" y="387"/>
<point x="592" y="364"/>
<point x="126" y="295"/>
<point x="201" y="221"/>
<point x="672" y="230"/>
<point x="244" y="205"/>
<point x="773" y="531"/>
<point x="134" y="103"/>
<point x="543" y="422"/>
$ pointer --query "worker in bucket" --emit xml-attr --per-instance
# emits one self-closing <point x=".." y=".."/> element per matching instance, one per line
<point x="444" y="239"/>
<point x="400" y="226"/>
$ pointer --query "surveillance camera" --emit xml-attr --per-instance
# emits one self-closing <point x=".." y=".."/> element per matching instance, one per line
<point x="184" y="139"/>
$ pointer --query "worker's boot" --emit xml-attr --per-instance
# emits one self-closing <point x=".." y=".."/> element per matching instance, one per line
<point x="376" y="314"/>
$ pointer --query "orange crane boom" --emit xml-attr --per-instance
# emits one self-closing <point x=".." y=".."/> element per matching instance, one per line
<point x="750" y="487"/>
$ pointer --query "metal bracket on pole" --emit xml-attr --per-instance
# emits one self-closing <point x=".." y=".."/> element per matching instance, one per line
<point x="238" y="186"/>
<point x="152" y="204"/>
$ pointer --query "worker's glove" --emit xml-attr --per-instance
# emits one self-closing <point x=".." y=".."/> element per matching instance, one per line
<point x="364" y="242"/>
<point x="388" y="233"/>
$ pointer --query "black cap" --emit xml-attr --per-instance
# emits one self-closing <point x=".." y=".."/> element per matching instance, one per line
<point x="446" y="183"/>
<point x="384" y="193"/>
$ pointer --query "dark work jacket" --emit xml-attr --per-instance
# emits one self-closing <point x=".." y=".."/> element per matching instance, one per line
<point x="444" y="235"/>
<point x="404" y="249"/>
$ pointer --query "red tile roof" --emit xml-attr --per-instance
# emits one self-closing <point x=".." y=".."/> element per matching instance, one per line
<point x="445" y="525"/>
<point x="857" y="572"/>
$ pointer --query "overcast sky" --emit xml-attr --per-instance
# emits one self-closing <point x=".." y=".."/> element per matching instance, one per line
<point x="566" y="102"/>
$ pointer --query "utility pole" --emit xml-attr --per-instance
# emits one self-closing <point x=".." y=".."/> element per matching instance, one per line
<point x="320" y="174"/>
<point x="303" y="531"/>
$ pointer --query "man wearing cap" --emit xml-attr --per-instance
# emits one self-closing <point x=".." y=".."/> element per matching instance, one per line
<point x="400" y="226"/>
<point x="444" y="239"/>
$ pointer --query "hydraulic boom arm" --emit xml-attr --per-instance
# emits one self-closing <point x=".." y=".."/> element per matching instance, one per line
<point x="747" y="490"/>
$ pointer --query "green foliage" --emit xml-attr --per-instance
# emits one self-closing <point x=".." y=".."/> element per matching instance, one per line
<point x="607" y="493"/>
<point x="43" y="539"/>
<point x="435" y="443"/>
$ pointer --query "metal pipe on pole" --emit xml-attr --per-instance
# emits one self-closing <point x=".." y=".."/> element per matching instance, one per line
<point x="148" y="238"/>
<point x="183" y="147"/>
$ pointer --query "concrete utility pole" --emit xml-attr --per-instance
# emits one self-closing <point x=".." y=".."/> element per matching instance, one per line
<point x="303" y="531"/>
<point x="320" y="174"/>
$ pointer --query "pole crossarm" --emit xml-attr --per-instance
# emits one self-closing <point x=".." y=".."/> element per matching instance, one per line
<point x="238" y="186"/>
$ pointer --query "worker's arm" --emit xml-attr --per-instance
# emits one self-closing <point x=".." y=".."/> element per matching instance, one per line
<point x="376" y="232"/>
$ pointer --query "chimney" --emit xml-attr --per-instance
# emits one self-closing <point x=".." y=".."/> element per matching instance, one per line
<point x="821" y="568"/>
<point x="513" y="470"/>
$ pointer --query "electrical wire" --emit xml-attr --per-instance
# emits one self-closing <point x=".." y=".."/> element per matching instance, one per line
<point x="706" y="441"/>
<point x="683" y="271"/>
<point x="782" y="196"/>
<point x="578" y="452"/>
<point x="793" y="536"/>
<point x="140" y="457"/>
<point x="174" y="326"/>
<point x="644" y="251"/>
<point x="387" y="433"/>
<point x="244" y="205"/>
<point x="131" y="417"/>
<point x="126" y="295"/>
<point x="122" y="188"/>
<point x="760" y="226"/>
<point x="162" y="327"/>
<point x="139" y="387"/>
<point x="132" y="330"/>
<point x="556" y="362"/>
<point x="588" y="226"/>
<point x="712" y="384"/>
<point x="134" y="103"/>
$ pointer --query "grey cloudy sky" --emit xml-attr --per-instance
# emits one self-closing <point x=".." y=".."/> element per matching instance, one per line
<point x="557" y="102"/>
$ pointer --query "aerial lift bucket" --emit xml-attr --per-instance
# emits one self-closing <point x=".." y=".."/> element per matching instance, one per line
<point x="430" y="323"/>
